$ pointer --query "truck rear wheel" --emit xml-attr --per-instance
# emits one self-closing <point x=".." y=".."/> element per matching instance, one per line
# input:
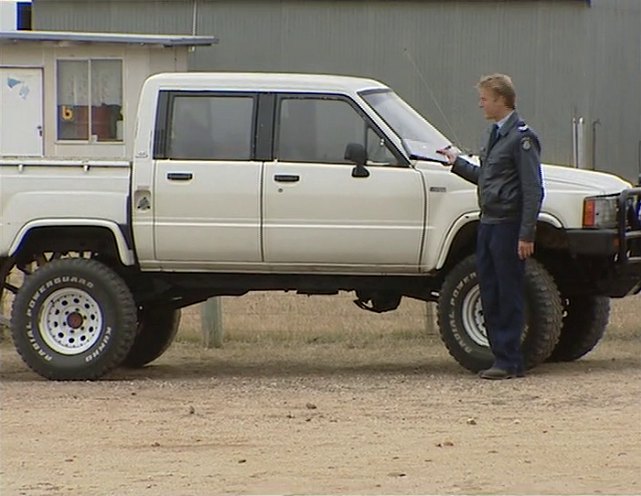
<point x="73" y="319"/>
<point x="584" y="324"/>
<point x="461" y="324"/>
<point x="157" y="328"/>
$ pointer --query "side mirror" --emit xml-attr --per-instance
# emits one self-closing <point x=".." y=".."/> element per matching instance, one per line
<point x="355" y="152"/>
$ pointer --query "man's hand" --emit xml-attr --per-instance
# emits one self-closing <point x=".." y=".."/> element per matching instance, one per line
<point x="450" y="153"/>
<point x="526" y="249"/>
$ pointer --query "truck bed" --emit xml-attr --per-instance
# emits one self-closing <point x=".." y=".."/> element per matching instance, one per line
<point x="38" y="190"/>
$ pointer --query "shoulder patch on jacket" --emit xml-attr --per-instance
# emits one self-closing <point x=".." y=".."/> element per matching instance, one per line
<point x="526" y="143"/>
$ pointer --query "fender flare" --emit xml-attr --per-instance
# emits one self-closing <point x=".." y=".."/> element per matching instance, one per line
<point x="125" y="252"/>
<point x="474" y="217"/>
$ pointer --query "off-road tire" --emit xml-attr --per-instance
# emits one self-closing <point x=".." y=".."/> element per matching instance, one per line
<point x="586" y="318"/>
<point x="73" y="319"/>
<point x="543" y="309"/>
<point x="157" y="328"/>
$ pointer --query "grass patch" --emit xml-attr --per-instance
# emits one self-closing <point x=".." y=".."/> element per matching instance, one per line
<point x="289" y="338"/>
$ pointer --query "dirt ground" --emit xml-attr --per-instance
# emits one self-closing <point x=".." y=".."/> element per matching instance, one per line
<point x="377" y="414"/>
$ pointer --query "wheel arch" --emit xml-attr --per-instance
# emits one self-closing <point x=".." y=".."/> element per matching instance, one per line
<point x="461" y="240"/>
<point x="97" y="235"/>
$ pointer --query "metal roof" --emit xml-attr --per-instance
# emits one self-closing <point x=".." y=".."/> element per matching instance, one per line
<point x="73" y="37"/>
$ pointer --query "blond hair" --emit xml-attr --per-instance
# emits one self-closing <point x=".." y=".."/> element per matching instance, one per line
<point x="500" y="85"/>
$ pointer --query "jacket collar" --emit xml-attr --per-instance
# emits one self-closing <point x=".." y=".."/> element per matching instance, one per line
<point x="509" y="124"/>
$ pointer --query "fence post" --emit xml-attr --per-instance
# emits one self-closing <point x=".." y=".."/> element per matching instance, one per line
<point x="211" y="317"/>
<point x="430" y="317"/>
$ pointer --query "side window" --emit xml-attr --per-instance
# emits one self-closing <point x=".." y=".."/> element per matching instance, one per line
<point x="211" y="127"/>
<point x="377" y="151"/>
<point x="319" y="130"/>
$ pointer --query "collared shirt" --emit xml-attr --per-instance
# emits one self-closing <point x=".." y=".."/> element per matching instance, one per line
<point x="504" y="120"/>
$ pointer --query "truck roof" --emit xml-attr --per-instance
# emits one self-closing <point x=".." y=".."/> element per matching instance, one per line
<point x="261" y="81"/>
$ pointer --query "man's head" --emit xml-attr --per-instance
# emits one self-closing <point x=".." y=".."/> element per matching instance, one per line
<point x="497" y="96"/>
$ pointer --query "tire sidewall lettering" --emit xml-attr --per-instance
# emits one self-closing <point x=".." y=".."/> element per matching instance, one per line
<point x="459" y="332"/>
<point x="32" y="314"/>
<point x="457" y="285"/>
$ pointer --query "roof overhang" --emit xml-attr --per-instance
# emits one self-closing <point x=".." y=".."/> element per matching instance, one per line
<point x="73" y="37"/>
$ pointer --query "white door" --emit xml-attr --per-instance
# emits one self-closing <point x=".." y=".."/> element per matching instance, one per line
<point x="317" y="213"/>
<point x="207" y="212"/>
<point x="21" y="112"/>
<point x="206" y="194"/>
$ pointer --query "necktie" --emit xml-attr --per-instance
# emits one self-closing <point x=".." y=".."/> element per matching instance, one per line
<point x="494" y="136"/>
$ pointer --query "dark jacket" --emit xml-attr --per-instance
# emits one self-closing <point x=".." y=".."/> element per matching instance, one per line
<point x="509" y="178"/>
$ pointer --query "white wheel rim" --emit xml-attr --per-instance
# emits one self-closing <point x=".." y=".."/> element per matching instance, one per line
<point x="70" y="321"/>
<point x="472" y="316"/>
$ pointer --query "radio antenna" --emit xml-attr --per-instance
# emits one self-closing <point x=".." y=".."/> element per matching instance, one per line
<point x="457" y="141"/>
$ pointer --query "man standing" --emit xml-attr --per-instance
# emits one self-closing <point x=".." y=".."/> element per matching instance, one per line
<point x="510" y="193"/>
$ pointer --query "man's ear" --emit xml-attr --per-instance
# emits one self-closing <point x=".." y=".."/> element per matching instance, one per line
<point x="500" y="99"/>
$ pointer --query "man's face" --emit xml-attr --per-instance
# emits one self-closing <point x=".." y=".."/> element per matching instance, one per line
<point x="493" y="105"/>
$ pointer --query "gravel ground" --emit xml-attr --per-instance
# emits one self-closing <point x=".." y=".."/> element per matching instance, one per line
<point x="375" y="416"/>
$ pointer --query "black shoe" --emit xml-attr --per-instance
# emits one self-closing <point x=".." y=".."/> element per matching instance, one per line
<point x="497" y="374"/>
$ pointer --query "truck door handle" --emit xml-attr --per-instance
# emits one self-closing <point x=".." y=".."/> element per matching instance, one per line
<point x="180" y="176"/>
<point x="286" y="178"/>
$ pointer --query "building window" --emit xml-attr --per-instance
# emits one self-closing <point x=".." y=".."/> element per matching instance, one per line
<point x="23" y="14"/>
<point x="211" y="127"/>
<point x="90" y="100"/>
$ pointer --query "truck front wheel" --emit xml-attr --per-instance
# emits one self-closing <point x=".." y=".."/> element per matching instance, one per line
<point x="157" y="328"/>
<point x="73" y="319"/>
<point x="461" y="323"/>
<point x="584" y="323"/>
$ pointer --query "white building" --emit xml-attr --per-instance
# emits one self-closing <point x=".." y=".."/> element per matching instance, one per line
<point x="15" y="15"/>
<point x="74" y="95"/>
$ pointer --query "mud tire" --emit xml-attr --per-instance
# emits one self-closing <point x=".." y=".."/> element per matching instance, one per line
<point x="586" y="318"/>
<point x="157" y="328"/>
<point x="462" y="329"/>
<point x="73" y="319"/>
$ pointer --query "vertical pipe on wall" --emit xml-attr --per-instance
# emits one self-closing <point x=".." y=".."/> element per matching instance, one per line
<point x="594" y="125"/>
<point x="580" y="144"/>
<point x="639" y="179"/>
<point x="194" y="18"/>
<point x="575" y="158"/>
<point x="194" y="22"/>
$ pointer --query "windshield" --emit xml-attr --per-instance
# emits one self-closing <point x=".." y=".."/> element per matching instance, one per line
<point x="420" y="138"/>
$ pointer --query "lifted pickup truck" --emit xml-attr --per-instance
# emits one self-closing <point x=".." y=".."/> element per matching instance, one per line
<point x="315" y="184"/>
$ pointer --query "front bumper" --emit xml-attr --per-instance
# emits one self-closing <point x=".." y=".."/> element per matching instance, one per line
<point x="629" y="226"/>
<point x="620" y="246"/>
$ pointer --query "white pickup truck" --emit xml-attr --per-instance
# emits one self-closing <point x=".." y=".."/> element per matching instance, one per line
<point x="315" y="184"/>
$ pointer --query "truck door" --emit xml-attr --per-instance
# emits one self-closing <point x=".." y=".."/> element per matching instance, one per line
<point x="207" y="184"/>
<point x="317" y="213"/>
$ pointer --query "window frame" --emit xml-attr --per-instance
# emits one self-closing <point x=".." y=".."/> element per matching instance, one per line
<point x="280" y="96"/>
<point x="123" y="109"/>
<point x="164" y="115"/>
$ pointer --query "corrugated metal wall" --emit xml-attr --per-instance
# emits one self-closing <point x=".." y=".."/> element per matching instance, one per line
<point x="568" y="58"/>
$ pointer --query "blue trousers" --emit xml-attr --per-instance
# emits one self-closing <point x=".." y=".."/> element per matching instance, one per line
<point x="501" y="276"/>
